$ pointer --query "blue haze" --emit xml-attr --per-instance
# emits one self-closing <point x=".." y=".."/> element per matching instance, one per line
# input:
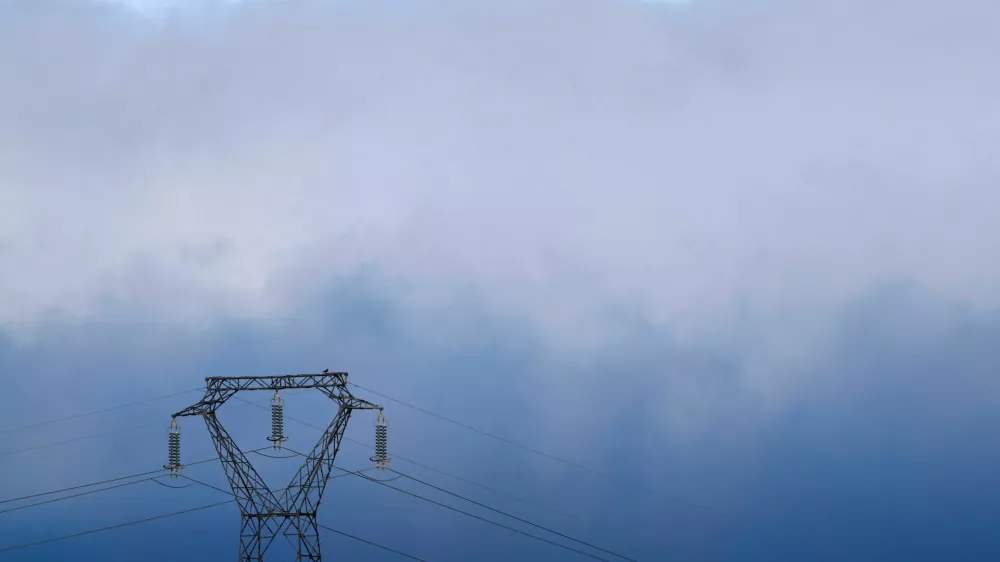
<point x="736" y="258"/>
<point x="889" y="460"/>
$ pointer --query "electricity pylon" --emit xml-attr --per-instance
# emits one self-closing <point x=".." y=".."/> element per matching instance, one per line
<point x="263" y="514"/>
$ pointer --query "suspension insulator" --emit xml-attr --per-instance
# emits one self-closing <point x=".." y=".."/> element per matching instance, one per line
<point x="277" y="436"/>
<point x="173" y="449"/>
<point x="381" y="443"/>
<point x="380" y="440"/>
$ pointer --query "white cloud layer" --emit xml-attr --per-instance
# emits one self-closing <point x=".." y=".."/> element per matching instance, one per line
<point x="554" y="155"/>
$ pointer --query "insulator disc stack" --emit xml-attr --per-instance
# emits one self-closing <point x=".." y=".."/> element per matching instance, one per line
<point x="174" y="449"/>
<point x="381" y="443"/>
<point x="277" y="436"/>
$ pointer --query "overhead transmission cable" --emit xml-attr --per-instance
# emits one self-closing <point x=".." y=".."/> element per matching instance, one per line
<point x="397" y="456"/>
<point x="359" y="473"/>
<point x="486" y="433"/>
<point x="483" y="519"/>
<point x="142" y="477"/>
<point x="182" y="512"/>
<point x="230" y="493"/>
<point x="375" y="544"/>
<point x="515" y="517"/>
<point x="155" y="481"/>
<point x="164" y="516"/>
<point x="529" y="449"/>
<point x="87" y="493"/>
<point x="95" y="412"/>
<point x="328" y="528"/>
<point x="346" y="473"/>
<point x="111" y="527"/>
<point x="76" y="439"/>
<point x="500" y="492"/>
<point x="85" y="437"/>
<point x="227" y="492"/>
<point x="99" y="483"/>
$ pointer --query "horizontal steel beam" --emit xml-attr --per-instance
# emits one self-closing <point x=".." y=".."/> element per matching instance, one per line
<point x="279" y="382"/>
<point x="218" y="390"/>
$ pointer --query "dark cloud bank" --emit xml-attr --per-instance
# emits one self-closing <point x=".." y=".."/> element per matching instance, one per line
<point x="888" y="455"/>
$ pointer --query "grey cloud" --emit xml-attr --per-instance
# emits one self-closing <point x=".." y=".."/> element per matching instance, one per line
<point x="436" y="197"/>
<point x="794" y="153"/>
<point x="718" y="173"/>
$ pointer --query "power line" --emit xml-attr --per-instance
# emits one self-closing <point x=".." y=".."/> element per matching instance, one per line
<point x="201" y="508"/>
<point x="206" y="485"/>
<point x="36" y="504"/>
<point x="410" y="556"/>
<point x="359" y="473"/>
<point x="104" y="434"/>
<point x="411" y="461"/>
<point x="347" y="473"/>
<point x="155" y="481"/>
<point x="483" y="519"/>
<point x="230" y="493"/>
<point x="108" y="481"/>
<point x="488" y="434"/>
<point x="75" y="439"/>
<point x="397" y="456"/>
<point x="85" y="437"/>
<point x="497" y="491"/>
<point x="461" y="497"/>
<point x="112" y="527"/>
<point x="80" y="486"/>
<point x="529" y="449"/>
<point x="95" y="412"/>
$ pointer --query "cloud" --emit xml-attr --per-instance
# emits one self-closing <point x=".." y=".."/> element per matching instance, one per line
<point x="738" y="254"/>
<point x="573" y="166"/>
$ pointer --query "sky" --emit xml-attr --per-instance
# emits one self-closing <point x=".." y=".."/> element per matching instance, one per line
<point x="732" y="256"/>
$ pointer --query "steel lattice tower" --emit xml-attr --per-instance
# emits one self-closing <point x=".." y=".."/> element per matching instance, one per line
<point x="264" y="515"/>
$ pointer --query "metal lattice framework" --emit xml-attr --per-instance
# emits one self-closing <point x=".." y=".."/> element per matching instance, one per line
<point x="264" y="515"/>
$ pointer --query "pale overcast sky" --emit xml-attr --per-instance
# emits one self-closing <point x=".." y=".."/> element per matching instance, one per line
<point x="765" y="232"/>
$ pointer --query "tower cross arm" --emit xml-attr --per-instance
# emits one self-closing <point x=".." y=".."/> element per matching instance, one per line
<point x="278" y="382"/>
<point x="211" y="402"/>
<point x="220" y="389"/>
<point x="347" y="400"/>
<point x="358" y="404"/>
